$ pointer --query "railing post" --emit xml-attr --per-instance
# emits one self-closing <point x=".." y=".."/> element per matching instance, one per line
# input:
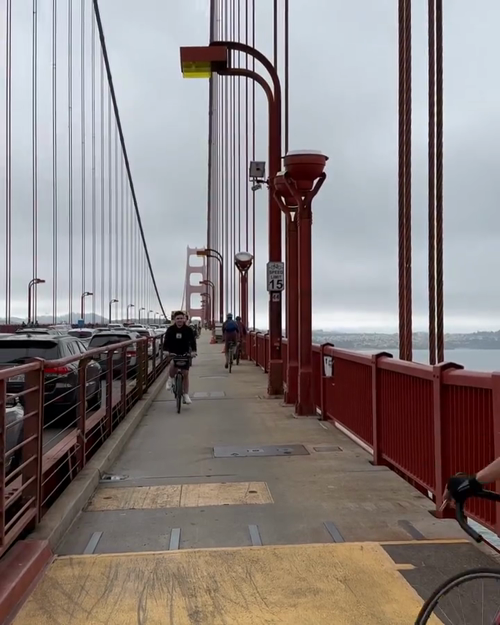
<point x="81" y="413"/>
<point x="33" y="426"/>
<point x="109" y="391"/>
<point x="325" y="375"/>
<point x="140" y="368"/>
<point x="377" y="408"/>
<point x="123" y="385"/>
<point x="495" y="389"/>
<point x="3" y="448"/>
<point x="154" y="357"/>
<point x="439" y="441"/>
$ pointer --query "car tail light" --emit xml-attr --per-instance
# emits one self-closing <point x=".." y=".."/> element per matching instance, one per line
<point x="131" y="352"/>
<point x="58" y="370"/>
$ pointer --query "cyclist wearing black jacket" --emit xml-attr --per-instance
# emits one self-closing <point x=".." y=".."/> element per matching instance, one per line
<point x="179" y="340"/>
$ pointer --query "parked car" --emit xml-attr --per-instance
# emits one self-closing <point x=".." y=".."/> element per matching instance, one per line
<point x="14" y="413"/>
<point x="61" y="389"/>
<point x="110" y="338"/>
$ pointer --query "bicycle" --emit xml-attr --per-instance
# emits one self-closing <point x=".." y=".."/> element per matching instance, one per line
<point x="231" y="355"/>
<point x="237" y="354"/>
<point x="432" y="606"/>
<point x="181" y="363"/>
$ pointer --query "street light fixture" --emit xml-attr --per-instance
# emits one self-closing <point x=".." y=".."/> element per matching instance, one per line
<point x="129" y="306"/>
<point x="212" y="299"/>
<point x="142" y="308"/>
<point x="31" y="284"/>
<point x="149" y="312"/>
<point x="200" y="62"/>
<point x="211" y="253"/>
<point x="82" y="304"/>
<point x="113" y="301"/>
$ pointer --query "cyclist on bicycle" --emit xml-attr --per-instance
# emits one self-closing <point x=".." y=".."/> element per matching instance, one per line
<point x="231" y="334"/>
<point x="179" y="340"/>
<point x="462" y="486"/>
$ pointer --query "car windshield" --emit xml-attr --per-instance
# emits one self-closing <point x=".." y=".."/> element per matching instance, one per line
<point x="101" y="340"/>
<point x="20" y="351"/>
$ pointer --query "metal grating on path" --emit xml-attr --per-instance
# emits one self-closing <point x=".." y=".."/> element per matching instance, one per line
<point x="260" y="451"/>
<point x="209" y="395"/>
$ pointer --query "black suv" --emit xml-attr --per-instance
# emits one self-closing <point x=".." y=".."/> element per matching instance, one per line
<point x="61" y="383"/>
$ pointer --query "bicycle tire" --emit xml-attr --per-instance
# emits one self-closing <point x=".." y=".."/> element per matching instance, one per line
<point x="230" y="359"/>
<point x="178" y="391"/>
<point x="432" y="602"/>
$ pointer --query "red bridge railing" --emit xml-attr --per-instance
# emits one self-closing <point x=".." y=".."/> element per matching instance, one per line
<point x="424" y="422"/>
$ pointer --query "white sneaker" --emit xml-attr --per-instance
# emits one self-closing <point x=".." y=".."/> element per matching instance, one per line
<point x="187" y="399"/>
<point x="169" y="383"/>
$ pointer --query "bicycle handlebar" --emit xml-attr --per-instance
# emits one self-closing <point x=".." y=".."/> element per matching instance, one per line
<point x="462" y="519"/>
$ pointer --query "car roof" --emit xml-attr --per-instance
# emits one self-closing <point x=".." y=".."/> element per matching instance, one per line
<point x="36" y="336"/>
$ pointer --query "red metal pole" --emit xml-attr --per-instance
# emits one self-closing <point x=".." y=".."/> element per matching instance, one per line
<point x="221" y="292"/>
<point x="275" y="371"/>
<point x="305" y="405"/>
<point x="244" y="308"/>
<point x="29" y="301"/>
<point x="292" y="320"/>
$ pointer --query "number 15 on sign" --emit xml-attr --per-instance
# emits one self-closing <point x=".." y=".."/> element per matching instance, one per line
<point x="275" y="276"/>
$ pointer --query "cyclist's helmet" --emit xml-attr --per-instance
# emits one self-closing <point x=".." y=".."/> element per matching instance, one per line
<point x="229" y="316"/>
<point x="238" y="318"/>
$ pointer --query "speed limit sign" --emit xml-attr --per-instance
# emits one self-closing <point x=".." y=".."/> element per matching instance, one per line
<point x="275" y="276"/>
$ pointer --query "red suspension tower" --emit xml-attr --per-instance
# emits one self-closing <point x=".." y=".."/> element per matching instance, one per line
<point x="195" y="275"/>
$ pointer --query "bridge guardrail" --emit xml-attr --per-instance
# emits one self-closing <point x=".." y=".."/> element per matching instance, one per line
<point x="58" y="432"/>
<point x="424" y="422"/>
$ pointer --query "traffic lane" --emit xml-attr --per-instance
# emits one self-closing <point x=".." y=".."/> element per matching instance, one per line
<point x="53" y="435"/>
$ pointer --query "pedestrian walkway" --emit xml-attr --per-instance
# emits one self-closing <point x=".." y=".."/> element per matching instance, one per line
<point x="236" y="512"/>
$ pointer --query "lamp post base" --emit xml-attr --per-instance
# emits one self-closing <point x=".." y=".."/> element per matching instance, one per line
<point x="292" y="380"/>
<point x="275" y="378"/>
<point x="305" y="404"/>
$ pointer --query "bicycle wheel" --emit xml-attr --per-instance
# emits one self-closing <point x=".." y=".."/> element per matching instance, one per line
<point x="477" y="600"/>
<point x="178" y="391"/>
<point x="230" y="359"/>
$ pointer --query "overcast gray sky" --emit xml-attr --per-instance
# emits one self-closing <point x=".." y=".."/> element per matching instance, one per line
<point x="343" y="86"/>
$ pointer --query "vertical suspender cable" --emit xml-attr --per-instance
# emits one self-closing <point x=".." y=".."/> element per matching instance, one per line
<point x="439" y="182"/>
<point x="253" y="158"/>
<point x="408" y="182"/>
<point x="432" y="182"/>
<point x="8" y="161"/>
<point x="94" y="182"/>
<point x="54" y="164"/>
<point x="34" y="128"/>
<point x="102" y="256"/>
<point x="247" y="130"/>
<point x="401" y="184"/>
<point x="70" y="161"/>
<point x="287" y="75"/>
<point x="122" y="231"/>
<point x="83" y="146"/>
<point x="111" y="294"/>
<point x="115" y="218"/>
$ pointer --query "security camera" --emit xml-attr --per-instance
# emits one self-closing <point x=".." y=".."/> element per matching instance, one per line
<point x="257" y="169"/>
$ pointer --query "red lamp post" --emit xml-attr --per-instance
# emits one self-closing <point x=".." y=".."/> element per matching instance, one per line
<point x="200" y="62"/>
<point x="212" y="300"/>
<point x="211" y="253"/>
<point x="288" y="205"/>
<point x="295" y="189"/>
<point x="243" y="262"/>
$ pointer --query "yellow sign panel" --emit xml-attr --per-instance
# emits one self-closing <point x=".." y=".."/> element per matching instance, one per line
<point x="197" y="70"/>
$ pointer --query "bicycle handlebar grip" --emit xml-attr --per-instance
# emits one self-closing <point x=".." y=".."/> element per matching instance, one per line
<point x="462" y="521"/>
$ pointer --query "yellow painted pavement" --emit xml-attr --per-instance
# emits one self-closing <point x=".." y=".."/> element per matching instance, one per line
<point x="181" y="496"/>
<point x="334" y="584"/>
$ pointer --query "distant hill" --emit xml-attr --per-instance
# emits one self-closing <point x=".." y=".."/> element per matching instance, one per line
<point x="47" y="320"/>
